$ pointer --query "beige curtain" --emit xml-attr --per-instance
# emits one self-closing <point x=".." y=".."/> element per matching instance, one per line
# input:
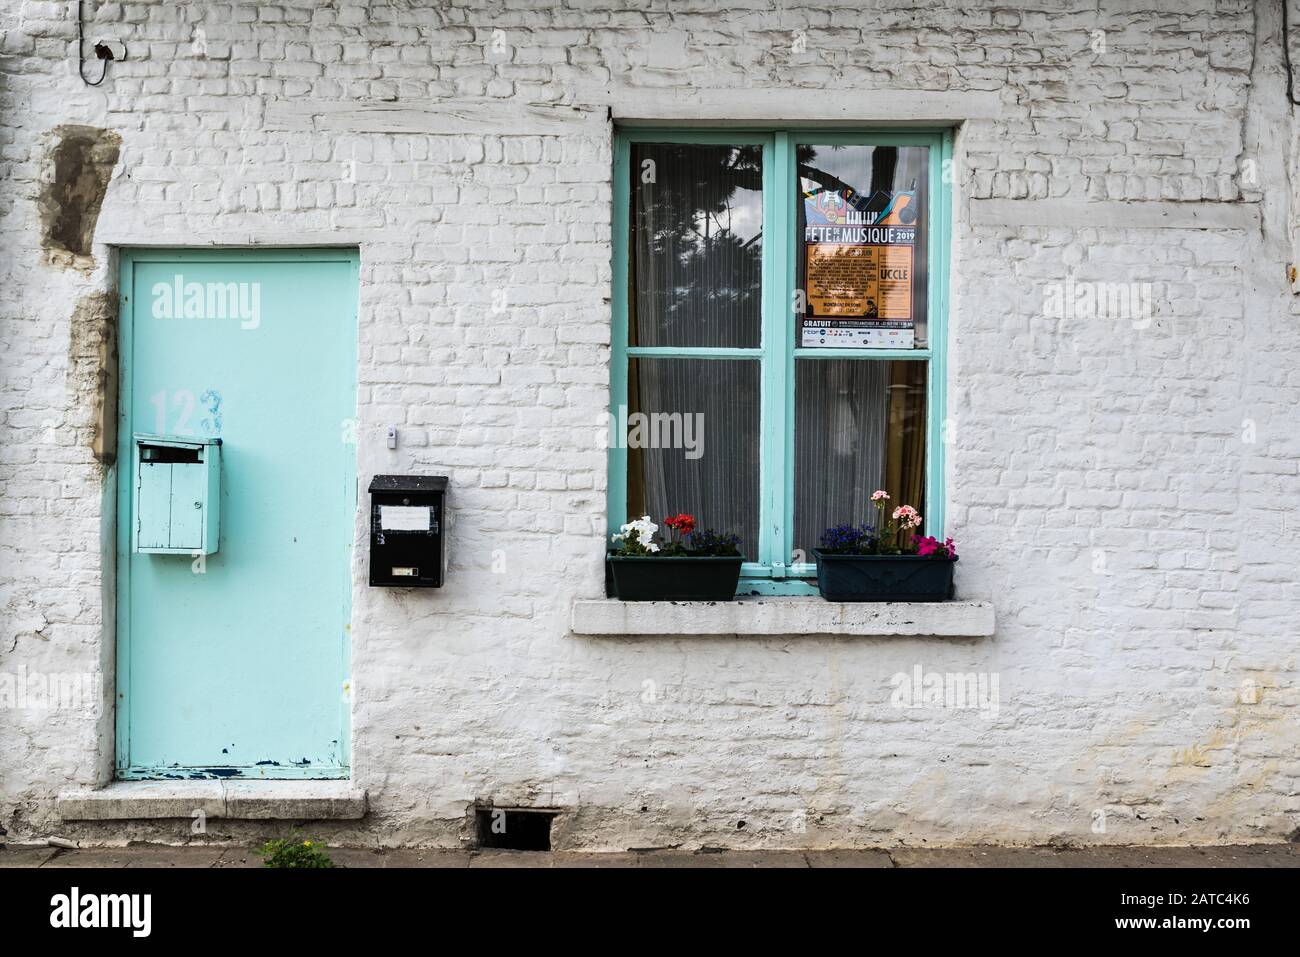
<point x="905" y="450"/>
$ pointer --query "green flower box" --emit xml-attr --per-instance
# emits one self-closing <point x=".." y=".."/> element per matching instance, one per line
<point x="883" y="577"/>
<point x="677" y="578"/>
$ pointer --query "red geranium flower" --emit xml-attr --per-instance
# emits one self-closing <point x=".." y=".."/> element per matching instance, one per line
<point x="683" y="524"/>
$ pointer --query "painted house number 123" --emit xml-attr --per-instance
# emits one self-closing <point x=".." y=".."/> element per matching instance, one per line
<point x="184" y="403"/>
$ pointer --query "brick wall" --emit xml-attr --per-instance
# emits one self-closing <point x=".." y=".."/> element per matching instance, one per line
<point x="1123" y="489"/>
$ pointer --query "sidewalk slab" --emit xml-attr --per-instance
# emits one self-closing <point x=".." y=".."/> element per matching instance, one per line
<point x="708" y="859"/>
<point x="588" y="859"/>
<point x="135" y="856"/>
<point x="25" y="855"/>
<point x="849" y="858"/>
<point x="143" y="855"/>
<point x="512" y="859"/>
<point x="424" y="857"/>
<point x="233" y="858"/>
<point x="1247" y="855"/>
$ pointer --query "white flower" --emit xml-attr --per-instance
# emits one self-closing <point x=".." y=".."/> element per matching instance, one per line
<point x="651" y="547"/>
<point x="644" y="528"/>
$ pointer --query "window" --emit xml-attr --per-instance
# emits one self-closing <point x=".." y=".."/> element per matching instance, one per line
<point x="779" y="307"/>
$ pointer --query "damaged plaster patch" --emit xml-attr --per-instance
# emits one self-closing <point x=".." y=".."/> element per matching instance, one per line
<point x="80" y="164"/>
<point x="25" y="620"/>
<point x="92" y="373"/>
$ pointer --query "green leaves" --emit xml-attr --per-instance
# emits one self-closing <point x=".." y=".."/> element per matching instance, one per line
<point x="290" y="852"/>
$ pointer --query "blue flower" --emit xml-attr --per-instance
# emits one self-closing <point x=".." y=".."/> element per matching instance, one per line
<point x="849" y="540"/>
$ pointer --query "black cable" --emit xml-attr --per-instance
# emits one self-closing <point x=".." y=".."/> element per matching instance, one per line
<point x="81" y="50"/>
<point x="1286" y="53"/>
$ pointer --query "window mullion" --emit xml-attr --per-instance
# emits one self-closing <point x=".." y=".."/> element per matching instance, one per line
<point x="774" y="483"/>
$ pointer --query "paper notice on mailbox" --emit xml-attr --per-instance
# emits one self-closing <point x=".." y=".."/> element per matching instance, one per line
<point x="404" y="518"/>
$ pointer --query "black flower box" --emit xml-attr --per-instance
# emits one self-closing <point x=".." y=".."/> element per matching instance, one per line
<point x="677" y="578"/>
<point x="883" y="577"/>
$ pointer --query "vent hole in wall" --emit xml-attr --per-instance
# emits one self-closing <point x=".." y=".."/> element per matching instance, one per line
<point x="514" y="829"/>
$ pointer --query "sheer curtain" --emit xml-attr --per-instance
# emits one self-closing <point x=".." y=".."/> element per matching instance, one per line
<point x="697" y="256"/>
<point x="695" y="282"/>
<point x="714" y="403"/>
<point x="841" y="420"/>
<point x="859" y="426"/>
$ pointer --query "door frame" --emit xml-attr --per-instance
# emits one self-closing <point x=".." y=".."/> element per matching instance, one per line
<point x="127" y="258"/>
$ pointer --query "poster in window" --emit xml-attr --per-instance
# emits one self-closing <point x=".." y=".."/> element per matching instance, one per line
<point x="859" y="268"/>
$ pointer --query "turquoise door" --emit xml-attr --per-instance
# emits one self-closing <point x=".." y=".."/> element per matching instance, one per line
<point x="235" y="663"/>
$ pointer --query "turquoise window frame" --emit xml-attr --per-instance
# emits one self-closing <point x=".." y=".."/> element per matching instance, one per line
<point x="774" y="573"/>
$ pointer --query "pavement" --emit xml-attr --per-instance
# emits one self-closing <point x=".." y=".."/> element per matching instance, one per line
<point x="214" y="856"/>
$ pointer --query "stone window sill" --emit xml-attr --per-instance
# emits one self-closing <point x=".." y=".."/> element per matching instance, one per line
<point x="782" y="616"/>
<point x="246" y="800"/>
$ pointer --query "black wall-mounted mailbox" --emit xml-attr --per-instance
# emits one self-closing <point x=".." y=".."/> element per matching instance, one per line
<point x="406" y="522"/>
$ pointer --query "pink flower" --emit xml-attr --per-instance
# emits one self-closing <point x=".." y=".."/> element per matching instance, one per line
<point x="880" y="495"/>
<point x="907" y="516"/>
<point x="927" y="545"/>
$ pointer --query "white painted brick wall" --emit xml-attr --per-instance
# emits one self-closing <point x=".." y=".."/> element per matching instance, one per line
<point x="1140" y="554"/>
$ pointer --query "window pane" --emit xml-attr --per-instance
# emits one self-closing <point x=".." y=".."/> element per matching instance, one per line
<point x="859" y="426"/>
<point x="692" y="443"/>
<point x="697" y="228"/>
<point x="861" y="257"/>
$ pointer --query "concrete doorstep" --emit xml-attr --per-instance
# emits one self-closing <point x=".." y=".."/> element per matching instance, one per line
<point x="246" y="800"/>
<point x="214" y="856"/>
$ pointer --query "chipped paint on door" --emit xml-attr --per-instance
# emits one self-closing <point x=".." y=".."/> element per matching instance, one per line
<point x="234" y="664"/>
